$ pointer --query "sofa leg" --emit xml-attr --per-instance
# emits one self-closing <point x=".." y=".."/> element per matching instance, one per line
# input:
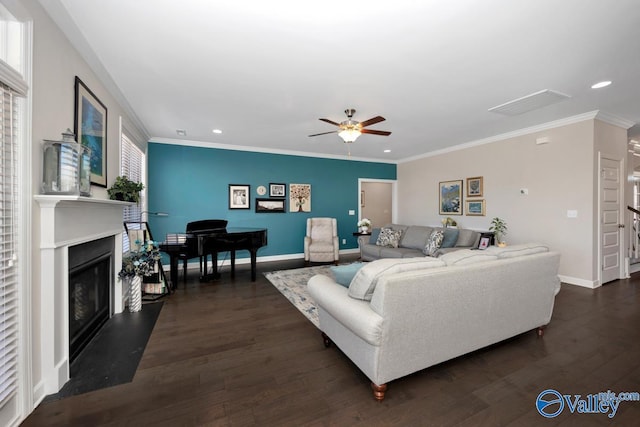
<point x="327" y="340"/>
<point x="378" y="391"/>
<point x="540" y="331"/>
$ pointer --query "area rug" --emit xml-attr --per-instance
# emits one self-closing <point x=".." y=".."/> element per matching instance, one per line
<point x="293" y="285"/>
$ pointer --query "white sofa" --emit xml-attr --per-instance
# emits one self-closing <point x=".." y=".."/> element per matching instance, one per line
<point x="399" y="316"/>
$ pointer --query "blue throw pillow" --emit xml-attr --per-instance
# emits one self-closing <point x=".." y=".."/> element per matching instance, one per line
<point x="343" y="274"/>
<point x="450" y="237"/>
<point x="374" y="236"/>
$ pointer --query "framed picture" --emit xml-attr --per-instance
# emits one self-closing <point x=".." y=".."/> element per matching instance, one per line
<point x="451" y="197"/>
<point x="239" y="196"/>
<point x="484" y="243"/>
<point x="90" y="124"/>
<point x="299" y="197"/>
<point x="277" y="190"/>
<point x="270" y="205"/>
<point x="475" y="207"/>
<point x="474" y="187"/>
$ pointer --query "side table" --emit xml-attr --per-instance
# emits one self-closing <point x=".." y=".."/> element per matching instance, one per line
<point x="359" y="234"/>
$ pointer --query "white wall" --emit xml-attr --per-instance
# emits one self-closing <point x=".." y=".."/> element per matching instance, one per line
<point x="559" y="176"/>
<point x="55" y="65"/>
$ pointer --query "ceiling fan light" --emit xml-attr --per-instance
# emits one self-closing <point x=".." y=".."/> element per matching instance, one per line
<point x="349" y="135"/>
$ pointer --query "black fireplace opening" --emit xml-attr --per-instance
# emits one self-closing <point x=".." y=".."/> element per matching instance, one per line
<point x="90" y="277"/>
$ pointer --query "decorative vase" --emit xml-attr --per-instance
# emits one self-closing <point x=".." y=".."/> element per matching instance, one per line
<point x="135" y="294"/>
<point x="364" y="229"/>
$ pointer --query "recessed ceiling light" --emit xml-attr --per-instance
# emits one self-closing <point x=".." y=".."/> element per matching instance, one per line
<point x="217" y="131"/>
<point x="387" y="151"/>
<point x="601" y="84"/>
<point x="181" y="132"/>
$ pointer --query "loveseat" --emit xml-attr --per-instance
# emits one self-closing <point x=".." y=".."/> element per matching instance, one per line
<point x="399" y="316"/>
<point x="413" y="239"/>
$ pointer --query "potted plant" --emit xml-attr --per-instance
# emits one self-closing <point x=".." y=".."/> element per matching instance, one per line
<point x="125" y="190"/>
<point x="364" y="225"/>
<point x="449" y="222"/>
<point x="141" y="261"/>
<point x="499" y="228"/>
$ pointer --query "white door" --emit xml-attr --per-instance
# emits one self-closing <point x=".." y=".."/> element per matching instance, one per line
<point x="611" y="223"/>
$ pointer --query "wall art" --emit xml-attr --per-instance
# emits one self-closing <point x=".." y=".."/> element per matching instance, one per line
<point x="90" y="124"/>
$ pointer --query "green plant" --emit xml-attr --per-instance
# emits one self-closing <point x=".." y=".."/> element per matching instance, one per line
<point x="140" y="262"/>
<point x="125" y="190"/>
<point x="499" y="228"/>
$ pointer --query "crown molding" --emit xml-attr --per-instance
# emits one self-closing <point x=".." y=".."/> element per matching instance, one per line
<point x="59" y="15"/>
<point x="203" y="144"/>
<point x="614" y="120"/>
<point x="591" y="115"/>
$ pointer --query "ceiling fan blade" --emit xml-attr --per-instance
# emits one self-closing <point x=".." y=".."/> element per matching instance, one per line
<point x="324" y="133"/>
<point x="376" y="132"/>
<point x="330" y="122"/>
<point x="372" y="121"/>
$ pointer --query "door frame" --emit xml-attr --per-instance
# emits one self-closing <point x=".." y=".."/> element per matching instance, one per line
<point x="394" y="195"/>
<point x="623" y="268"/>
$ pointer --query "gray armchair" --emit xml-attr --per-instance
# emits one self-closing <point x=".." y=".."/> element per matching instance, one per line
<point x="321" y="241"/>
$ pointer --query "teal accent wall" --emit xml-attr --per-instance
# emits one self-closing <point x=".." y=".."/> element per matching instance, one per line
<point x="191" y="183"/>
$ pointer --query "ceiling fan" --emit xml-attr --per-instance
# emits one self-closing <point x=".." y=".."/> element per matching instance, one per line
<point x="350" y="129"/>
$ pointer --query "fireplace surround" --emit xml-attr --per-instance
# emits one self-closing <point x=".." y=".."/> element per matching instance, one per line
<point x="65" y="222"/>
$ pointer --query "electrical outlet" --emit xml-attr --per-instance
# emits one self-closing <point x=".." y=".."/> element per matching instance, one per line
<point x="344" y="241"/>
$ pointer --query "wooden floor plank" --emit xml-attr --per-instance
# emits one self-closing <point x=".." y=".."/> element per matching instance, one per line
<point x="237" y="353"/>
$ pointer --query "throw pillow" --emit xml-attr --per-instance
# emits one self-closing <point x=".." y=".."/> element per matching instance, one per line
<point x="450" y="237"/>
<point x="433" y="243"/>
<point x="366" y="279"/>
<point x="389" y="238"/>
<point x="343" y="274"/>
<point x="374" y="236"/>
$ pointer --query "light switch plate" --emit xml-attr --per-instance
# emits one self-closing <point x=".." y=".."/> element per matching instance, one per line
<point x="352" y="212"/>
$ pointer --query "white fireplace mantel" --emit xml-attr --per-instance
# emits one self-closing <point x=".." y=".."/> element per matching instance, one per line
<point x="67" y="221"/>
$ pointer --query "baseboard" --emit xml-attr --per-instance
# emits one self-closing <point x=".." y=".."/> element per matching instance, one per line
<point x="38" y="394"/>
<point x="239" y="261"/>
<point x="634" y="268"/>
<point x="591" y="284"/>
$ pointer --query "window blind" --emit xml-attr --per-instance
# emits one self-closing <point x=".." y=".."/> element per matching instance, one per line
<point x="8" y="243"/>
<point x="131" y="166"/>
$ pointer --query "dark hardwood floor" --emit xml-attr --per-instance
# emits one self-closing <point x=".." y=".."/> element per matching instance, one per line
<point x="237" y="353"/>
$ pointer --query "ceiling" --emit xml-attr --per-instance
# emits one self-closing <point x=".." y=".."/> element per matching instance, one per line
<point x="264" y="72"/>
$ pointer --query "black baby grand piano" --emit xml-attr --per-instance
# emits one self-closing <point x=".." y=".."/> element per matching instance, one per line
<point x="203" y="242"/>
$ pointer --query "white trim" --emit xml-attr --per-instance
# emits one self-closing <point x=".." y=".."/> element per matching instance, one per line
<point x="591" y="284"/>
<point x="240" y="261"/>
<point x="57" y="11"/>
<point x="13" y="79"/>
<point x="614" y="120"/>
<point x="592" y="115"/>
<point x="621" y="217"/>
<point x="203" y="144"/>
<point x="394" y="196"/>
<point x="26" y="397"/>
